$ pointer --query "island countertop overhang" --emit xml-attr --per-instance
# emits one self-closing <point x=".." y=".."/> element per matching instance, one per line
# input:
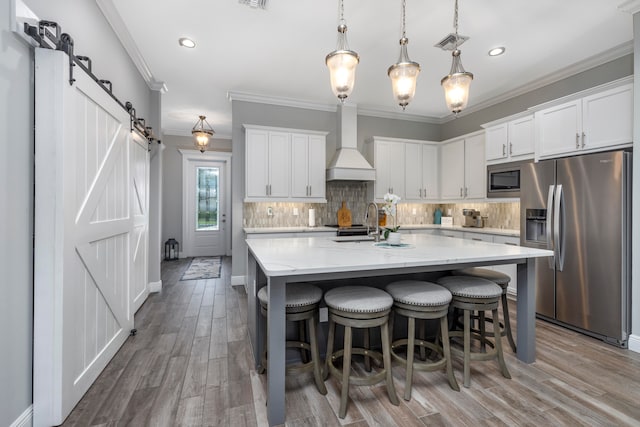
<point x="309" y="255"/>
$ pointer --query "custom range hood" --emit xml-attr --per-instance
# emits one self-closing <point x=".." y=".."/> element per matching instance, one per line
<point x="348" y="163"/>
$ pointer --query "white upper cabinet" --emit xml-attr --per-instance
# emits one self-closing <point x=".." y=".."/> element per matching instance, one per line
<point x="596" y="122"/>
<point x="308" y="163"/>
<point x="405" y="167"/>
<point x="421" y="172"/>
<point x="284" y="164"/>
<point x="510" y="141"/>
<point x="462" y="168"/>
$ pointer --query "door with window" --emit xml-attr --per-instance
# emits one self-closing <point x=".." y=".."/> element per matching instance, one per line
<point x="205" y="209"/>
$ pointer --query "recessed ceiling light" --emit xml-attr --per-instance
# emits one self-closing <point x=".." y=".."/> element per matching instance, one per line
<point x="496" y="51"/>
<point x="186" y="42"/>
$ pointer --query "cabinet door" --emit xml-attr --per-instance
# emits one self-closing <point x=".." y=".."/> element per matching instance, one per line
<point x="430" y="173"/>
<point x="521" y="138"/>
<point x="558" y="129"/>
<point x="496" y="142"/>
<point x="413" y="172"/>
<point x="257" y="157"/>
<point x="317" y="166"/>
<point x="452" y="170"/>
<point x="279" y="164"/>
<point x="608" y="118"/>
<point x="475" y="168"/>
<point x="389" y="164"/>
<point x="299" y="165"/>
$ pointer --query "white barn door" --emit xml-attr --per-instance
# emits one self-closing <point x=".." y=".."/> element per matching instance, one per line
<point x="90" y="233"/>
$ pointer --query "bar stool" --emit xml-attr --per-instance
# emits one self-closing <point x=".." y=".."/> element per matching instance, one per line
<point x="359" y="307"/>
<point x="421" y="300"/>
<point x="301" y="305"/>
<point x="471" y="294"/>
<point x="501" y="280"/>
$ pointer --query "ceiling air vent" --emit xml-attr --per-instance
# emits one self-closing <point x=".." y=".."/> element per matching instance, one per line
<point x="262" y="4"/>
<point x="448" y="42"/>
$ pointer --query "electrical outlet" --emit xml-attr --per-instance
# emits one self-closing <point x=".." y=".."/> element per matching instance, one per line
<point x="324" y="314"/>
<point x="270" y="211"/>
<point x="296" y="212"/>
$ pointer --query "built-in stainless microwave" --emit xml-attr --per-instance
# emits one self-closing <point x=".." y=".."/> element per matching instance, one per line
<point x="503" y="180"/>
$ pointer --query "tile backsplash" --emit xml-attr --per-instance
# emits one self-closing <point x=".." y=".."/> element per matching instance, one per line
<point x="500" y="214"/>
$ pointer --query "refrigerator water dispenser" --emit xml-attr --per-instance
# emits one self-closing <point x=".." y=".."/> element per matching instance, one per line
<point x="536" y="225"/>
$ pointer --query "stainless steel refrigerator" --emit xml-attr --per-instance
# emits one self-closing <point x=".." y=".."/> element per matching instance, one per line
<point x="580" y="207"/>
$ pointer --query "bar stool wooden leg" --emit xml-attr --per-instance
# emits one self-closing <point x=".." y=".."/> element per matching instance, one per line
<point x="507" y="322"/>
<point x="367" y="346"/>
<point x="422" y="326"/>
<point x="446" y="347"/>
<point x="411" y="332"/>
<point x="315" y="356"/>
<point x="467" y="349"/>
<point x="302" y="336"/>
<point x="346" y="369"/>
<point x="498" y="341"/>
<point x="386" y="360"/>
<point x="330" y="339"/>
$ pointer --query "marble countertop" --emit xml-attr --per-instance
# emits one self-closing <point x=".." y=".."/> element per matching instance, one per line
<point x="309" y="255"/>
<point x="302" y="229"/>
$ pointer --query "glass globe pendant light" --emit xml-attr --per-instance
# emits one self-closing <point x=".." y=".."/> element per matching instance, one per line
<point x="404" y="73"/>
<point x="342" y="62"/>
<point x="456" y="84"/>
<point x="202" y="131"/>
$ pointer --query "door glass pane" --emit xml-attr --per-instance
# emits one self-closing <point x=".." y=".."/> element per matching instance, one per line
<point x="207" y="191"/>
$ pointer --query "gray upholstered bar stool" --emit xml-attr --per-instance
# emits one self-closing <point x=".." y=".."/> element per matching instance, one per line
<point x="471" y="294"/>
<point x="501" y="280"/>
<point x="301" y="301"/>
<point x="415" y="299"/>
<point x="358" y="307"/>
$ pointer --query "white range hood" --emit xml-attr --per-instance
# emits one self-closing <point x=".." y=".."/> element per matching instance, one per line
<point x="348" y="164"/>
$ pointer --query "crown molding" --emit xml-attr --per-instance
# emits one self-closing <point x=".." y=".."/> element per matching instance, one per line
<point x="591" y="62"/>
<point x="365" y="110"/>
<point x="114" y="19"/>
<point x="283" y="102"/>
<point x="630" y="6"/>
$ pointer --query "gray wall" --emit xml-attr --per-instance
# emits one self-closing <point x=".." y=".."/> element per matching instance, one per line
<point x="607" y="72"/>
<point x="172" y="182"/>
<point x="16" y="225"/>
<point x="93" y="37"/>
<point x="298" y="118"/>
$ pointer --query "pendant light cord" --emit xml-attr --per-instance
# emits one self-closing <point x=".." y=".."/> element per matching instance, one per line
<point x="341" y="12"/>
<point x="455" y="23"/>
<point x="404" y="5"/>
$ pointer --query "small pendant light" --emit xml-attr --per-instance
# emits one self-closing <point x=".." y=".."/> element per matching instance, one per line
<point x="456" y="84"/>
<point x="342" y="62"/>
<point x="404" y="73"/>
<point x="202" y="131"/>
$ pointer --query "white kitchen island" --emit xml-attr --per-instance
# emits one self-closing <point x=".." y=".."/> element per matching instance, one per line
<point x="276" y="262"/>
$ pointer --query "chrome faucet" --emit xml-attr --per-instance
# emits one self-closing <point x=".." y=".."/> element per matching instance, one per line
<point x="375" y="235"/>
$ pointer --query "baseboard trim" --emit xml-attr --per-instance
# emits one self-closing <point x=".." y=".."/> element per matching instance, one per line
<point x="155" y="286"/>
<point x="237" y="280"/>
<point x="25" y="419"/>
<point x="634" y="343"/>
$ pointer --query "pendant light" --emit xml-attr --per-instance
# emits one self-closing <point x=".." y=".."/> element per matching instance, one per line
<point x="342" y="62"/>
<point x="456" y="84"/>
<point x="404" y="73"/>
<point x="202" y="131"/>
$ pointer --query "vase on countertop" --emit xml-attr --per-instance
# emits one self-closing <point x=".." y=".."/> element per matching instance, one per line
<point x="394" y="238"/>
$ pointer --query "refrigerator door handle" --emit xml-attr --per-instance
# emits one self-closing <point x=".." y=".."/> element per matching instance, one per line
<point x="548" y="232"/>
<point x="559" y="229"/>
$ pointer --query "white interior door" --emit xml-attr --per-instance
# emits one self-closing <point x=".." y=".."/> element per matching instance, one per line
<point x="90" y="237"/>
<point x="205" y="193"/>
<point x="140" y="213"/>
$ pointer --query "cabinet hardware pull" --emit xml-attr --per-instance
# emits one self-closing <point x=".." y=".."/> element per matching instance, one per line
<point x="504" y="150"/>
<point x="577" y="140"/>
<point x="583" y="137"/>
<point x="460" y="191"/>
<point x="510" y="244"/>
<point x="510" y="148"/>
<point x="476" y="239"/>
<point x="466" y="191"/>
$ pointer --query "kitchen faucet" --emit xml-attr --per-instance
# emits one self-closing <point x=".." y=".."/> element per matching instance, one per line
<point x="375" y="235"/>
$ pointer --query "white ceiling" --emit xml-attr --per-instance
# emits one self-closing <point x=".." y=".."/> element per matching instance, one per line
<point x="278" y="53"/>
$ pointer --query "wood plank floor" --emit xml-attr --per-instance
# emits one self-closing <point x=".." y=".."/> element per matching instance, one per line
<point x="191" y="365"/>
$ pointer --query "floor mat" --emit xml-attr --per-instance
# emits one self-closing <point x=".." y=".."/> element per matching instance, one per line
<point x="203" y="268"/>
